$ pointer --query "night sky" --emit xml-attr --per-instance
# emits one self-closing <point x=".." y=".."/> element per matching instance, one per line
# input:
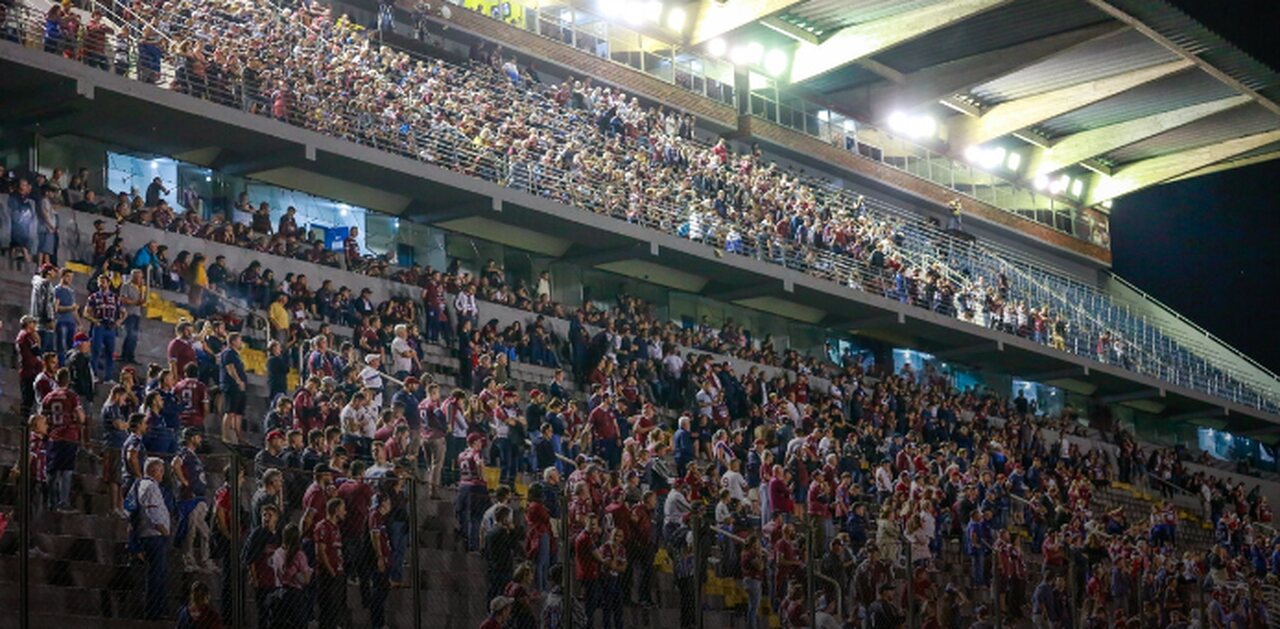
<point x="1208" y="247"/>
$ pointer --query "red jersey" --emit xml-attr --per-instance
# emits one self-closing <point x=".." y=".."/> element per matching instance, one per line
<point x="471" y="468"/>
<point x="29" y="363"/>
<point x="314" y="500"/>
<point x="328" y="541"/>
<point x="611" y="553"/>
<point x="586" y="566"/>
<point x="181" y="353"/>
<point x="39" y="456"/>
<point x="45" y="384"/>
<point x="358" y="496"/>
<point x="60" y="407"/>
<point x="191" y="393"/>
<point x="603" y="424"/>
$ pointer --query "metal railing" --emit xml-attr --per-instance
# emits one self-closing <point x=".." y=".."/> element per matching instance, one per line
<point x="444" y="145"/>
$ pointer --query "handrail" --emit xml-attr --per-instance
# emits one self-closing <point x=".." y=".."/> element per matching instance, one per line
<point x="1176" y="488"/>
<point x="728" y="534"/>
<point x="1209" y="335"/>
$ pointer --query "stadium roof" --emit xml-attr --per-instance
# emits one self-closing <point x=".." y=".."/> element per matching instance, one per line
<point x="1133" y="90"/>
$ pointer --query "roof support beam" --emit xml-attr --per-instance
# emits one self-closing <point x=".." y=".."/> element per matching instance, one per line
<point x="929" y="85"/>
<point x="1011" y="116"/>
<point x="1145" y="394"/>
<point x="1229" y="164"/>
<point x="864" y="40"/>
<point x="843" y="322"/>
<point x="985" y="347"/>
<point x="1094" y="142"/>
<point x="1045" y="376"/>
<point x="1209" y="413"/>
<point x="1149" y="172"/>
<point x="759" y="289"/>
<point x="713" y="19"/>
<point x="605" y="256"/>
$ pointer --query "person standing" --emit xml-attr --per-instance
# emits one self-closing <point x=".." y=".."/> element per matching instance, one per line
<point x="331" y="582"/>
<point x="65" y="313"/>
<point x="104" y="311"/>
<point x="380" y="559"/>
<point x="473" y="492"/>
<point x="500" y="546"/>
<point x="233" y="381"/>
<point x="152" y="532"/>
<point x="66" y="431"/>
<point x="193" y="396"/>
<point x="29" y="362"/>
<point x="193" y="507"/>
<point x="133" y="296"/>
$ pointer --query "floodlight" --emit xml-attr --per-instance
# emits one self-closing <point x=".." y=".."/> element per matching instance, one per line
<point x="634" y="13"/>
<point x="992" y="157"/>
<point x="972" y="153"/>
<point x="1077" y="187"/>
<point x="913" y="126"/>
<point x="613" y="9"/>
<point x="925" y="127"/>
<point x="775" y="63"/>
<point x="1014" y="161"/>
<point x="1041" y="182"/>
<point x="675" y="19"/>
<point x="899" y="122"/>
<point x="653" y="11"/>
<point x="717" y="47"/>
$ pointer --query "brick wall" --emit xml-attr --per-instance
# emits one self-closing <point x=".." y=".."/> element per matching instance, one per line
<point x="586" y="64"/>
<point x="766" y="131"/>
<point x="634" y="81"/>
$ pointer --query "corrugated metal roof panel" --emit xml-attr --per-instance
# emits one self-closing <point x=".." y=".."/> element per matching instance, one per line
<point x="1194" y="37"/>
<point x="1181" y="90"/>
<point x="832" y="15"/>
<point x="1008" y="25"/>
<point x="1235" y="123"/>
<point x="1120" y="53"/>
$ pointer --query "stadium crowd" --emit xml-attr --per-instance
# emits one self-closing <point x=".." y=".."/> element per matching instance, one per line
<point x="653" y="444"/>
<point x="585" y="144"/>
<point x="879" y="467"/>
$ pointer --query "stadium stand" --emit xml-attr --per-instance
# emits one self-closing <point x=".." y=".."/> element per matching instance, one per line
<point x="407" y="446"/>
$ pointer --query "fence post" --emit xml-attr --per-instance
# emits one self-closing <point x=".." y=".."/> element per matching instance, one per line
<point x="24" y="528"/>
<point x="237" y="582"/>
<point x="566" y="562"/>
<point x="996" y="612"/>
<point x="911" y="583"/>
<point x="415" y="577"/>
<point x="699" y="571"/>
<point x="810" y="565"/>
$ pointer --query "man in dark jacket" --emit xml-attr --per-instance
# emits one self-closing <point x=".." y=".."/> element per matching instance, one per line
<point x="78" y="364"/>
<point x="500" y="547"/>
<point x="883" y="614"/>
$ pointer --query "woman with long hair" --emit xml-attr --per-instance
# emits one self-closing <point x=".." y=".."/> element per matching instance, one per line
<point x="293" y="573"/>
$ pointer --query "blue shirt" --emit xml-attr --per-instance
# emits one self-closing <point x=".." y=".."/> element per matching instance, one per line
<point x="64" y="296"/>
<point x="230" y="358"/>
<point x="684" y="444"/>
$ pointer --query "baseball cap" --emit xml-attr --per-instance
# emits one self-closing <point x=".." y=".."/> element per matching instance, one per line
<point x="275" y="434"/>
<point x="80" y="337"/>
<point x="411" y="380"/>
<point x="500" y="603"/>
<point x="369" y="358"/>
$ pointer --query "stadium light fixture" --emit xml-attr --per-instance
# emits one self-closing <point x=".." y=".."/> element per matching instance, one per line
<point x="776" y="62"/>
<point x="717" y="47"/>
<point x="675" y="19"/>
<point x="972" y="154"/>
<point x="1041" y="182"/>
<point x="1059" y="185"/>
<point x="613" y="9"/>
<point x="992" y="157"/>
<point x="634" y="13"/>
<point x="922" y="126"/>
<point x="1077" y="188"/>
<point x="653" y="11"/>
<point x="1014" y="161"/>
<point x="747" y="54"/>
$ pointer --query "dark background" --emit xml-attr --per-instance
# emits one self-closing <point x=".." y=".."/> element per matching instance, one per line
<point x="1207" y="246"/>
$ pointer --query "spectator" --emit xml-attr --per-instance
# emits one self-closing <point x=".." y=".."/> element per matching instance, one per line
<point x="198" y="613"/>
<point x="331" y="584"/>
<point x="151" y="528"/>
<point x="133" y="296"/>
<point x="233" y="382"/>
